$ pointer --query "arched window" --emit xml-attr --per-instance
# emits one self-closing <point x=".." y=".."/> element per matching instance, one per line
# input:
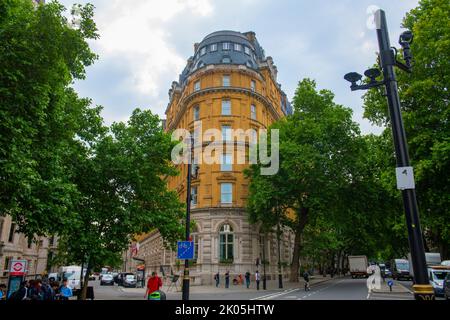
<point x="226" y="243"/>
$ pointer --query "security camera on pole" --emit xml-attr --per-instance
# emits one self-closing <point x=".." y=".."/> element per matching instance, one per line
<point x="404" y="172"/>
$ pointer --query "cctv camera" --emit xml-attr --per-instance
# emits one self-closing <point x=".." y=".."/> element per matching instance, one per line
<point x="406" y="37"/>
<point x="372" y="74"/>
<point x="353" y="77"/>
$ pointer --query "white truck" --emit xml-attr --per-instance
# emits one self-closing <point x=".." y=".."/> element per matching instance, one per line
<point x="358" y="266"/>
<point x="431" y="259"/>
<point x="73" y="275"/>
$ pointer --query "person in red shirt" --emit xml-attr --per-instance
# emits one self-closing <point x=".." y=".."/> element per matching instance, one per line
<point x="153" y="284"/>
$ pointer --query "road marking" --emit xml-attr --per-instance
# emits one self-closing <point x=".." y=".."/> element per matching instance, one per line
<point x="274" y="295"/>
<point x="321" y="289"/>
<point x="266" y="295"/>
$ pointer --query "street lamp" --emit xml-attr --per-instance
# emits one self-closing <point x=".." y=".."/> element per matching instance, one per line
<point x="186" y="280"/>
<point x="404" y="172"/>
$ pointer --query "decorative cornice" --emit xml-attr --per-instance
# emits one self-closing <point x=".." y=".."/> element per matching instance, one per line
<point x="187" y="99"/>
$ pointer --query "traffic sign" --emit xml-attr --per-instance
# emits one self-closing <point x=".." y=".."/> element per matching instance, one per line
<point x="18" y="267"/>
<point x="405" y="178"/>
<point x="185" y="250"/>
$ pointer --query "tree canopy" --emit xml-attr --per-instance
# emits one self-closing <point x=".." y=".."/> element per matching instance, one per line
<point x="424" y="96"/>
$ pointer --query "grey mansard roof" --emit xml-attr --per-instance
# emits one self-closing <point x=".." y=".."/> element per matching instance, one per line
<point x="217" y="56"/>
<point x="205" y="55"/>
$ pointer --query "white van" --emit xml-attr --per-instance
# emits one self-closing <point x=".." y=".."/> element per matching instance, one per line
<point x="437" y="276"/>
<point x="73" y="275"/>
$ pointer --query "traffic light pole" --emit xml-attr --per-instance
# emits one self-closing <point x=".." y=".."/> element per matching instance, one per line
<point x="422" y="288"/>
<point x="186" y="278"/>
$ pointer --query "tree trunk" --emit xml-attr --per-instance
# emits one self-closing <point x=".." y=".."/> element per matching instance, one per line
<point x="85" y="281"/>
<point x="301" y="222"/>
<point x="338" y="262"/>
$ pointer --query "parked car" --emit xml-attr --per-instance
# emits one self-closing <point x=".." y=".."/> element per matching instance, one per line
<point x="107" y="279"/>
<point x="447" y="286"/>
<point x="129" y="281"/>
<point x="121" y="277"/>
<point x="385" y="270"/>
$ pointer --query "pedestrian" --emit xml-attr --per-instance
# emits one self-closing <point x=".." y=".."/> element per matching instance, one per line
<point x="257" y="279"/>
<point x="35" y="291"/>
<point x="306" y="278"/>
<point x="21" y="293"/>
<point x="217" y="278"/>
<point x="2" y="291"/>
<point x="55" y="289"/>
<point x="247" y="279"/>
<point x="47" y="292"/>
<point x="227" y="279"/>
<point x="153" y="284"/>
<point x="65" y="291"/>
<point x="240" y="279"/>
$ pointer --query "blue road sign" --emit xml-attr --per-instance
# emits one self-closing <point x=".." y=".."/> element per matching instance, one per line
<point x="185" y="250"/>
<point x="390" y="283"/>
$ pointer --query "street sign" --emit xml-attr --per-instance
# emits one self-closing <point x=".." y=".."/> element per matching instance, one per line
<point x="185" y="250"/>
<point x="390" y="283"/>
<point x="18" y="267"/>
<point x="405" y="178"/>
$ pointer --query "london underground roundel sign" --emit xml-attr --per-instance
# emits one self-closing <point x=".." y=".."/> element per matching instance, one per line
<point x="18" y="267"/>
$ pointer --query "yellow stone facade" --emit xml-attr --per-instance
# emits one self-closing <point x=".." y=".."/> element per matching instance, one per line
<point x="180" y="114"/>
<point x="224" y="238"/>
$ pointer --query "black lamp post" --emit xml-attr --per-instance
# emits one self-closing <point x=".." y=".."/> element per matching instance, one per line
<point x="186" y="279"/>
<point x="405" y="178"/>
<point x="264" y="263"/>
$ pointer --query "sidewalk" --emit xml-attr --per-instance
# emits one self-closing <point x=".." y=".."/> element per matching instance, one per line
<point x="396" y="288"/>
<point x="271" y="285"/>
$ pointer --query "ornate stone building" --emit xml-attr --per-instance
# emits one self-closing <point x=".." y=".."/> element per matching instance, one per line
<point x="229" y="83"/>
<point x="15" y="245"/>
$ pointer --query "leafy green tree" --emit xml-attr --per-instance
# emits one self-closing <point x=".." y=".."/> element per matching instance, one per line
<point x="319" y="149"/>
<point x="425" y="99"/>
<point x="123" y="191"/>
<point x="265" y="205"/>
<point x="41" y="117"/>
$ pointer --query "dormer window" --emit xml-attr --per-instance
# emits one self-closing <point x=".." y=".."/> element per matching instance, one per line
<point x="237" y="47"/>
<point x="203" y="51"/>
<point x="213" y="47"/>
<point x="200" y="64"/>
<point x="226" y="60"/>
<point x="247" y="50"/>
<point x="226" y="46"/>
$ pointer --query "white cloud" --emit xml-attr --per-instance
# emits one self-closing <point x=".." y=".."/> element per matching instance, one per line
<point x="133" y="34"/>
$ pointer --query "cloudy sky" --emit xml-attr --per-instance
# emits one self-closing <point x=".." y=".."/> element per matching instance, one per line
<point x="144" y="45"/>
